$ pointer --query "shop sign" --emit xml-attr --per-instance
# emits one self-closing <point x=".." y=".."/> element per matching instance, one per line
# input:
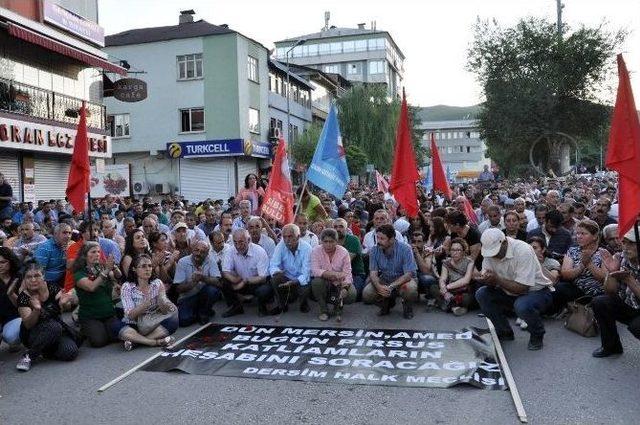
<point x="75" y="24"/>
<point x="130" y="90"/>
<point x="214" y="148"/>
<point x="24" y="135"/>
<point x="112" y="179"/>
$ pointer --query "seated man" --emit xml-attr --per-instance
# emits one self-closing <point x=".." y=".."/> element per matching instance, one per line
<point x="245" y="269"/>
<point x="28" y="241"/>
<point x="513" y="278"/>
<point x="52" y="255"/>
<point x="254" y="226"/>
<point x="392" y="272"/>
<point x="557" y="237"/>
<point x="198" y="284"/>
<point x="424" y="261"/>
<point x="331" y="271"/>
<point x="290" y="268"/>
<point x="621" y="302"/>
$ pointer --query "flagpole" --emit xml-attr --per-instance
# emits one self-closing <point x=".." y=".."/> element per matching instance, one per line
<point x="637" y="235"/>
<point x="299" y="201"/>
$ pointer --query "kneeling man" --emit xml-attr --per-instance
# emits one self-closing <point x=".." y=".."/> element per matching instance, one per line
<point x="514" y="280"/>
<point x="392" y="272"/>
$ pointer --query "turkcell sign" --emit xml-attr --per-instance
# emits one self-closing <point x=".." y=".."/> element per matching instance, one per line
<point x="213" y="148"/>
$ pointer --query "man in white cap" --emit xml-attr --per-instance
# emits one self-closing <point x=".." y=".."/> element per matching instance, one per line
<point x="513" y="278"/>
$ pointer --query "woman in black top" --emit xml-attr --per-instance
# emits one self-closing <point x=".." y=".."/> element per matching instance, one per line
<point x="9" y="285"/>
<point x="42" y="331"/>
<point x="512" y="226"/>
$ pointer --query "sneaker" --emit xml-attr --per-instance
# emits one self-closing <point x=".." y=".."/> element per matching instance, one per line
<point x="459" y="311"/>
<point x="521" y="323"/>
<point x="233" y="311"/>
<point x="24" y="364"/>
<point x="128" y="346"/>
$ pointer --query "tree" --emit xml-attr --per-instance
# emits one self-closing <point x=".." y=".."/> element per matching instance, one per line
<point x="542" y="90"/>
<point x="302" y="150"/>
<point x="357" y="160"/>
<point x="368" y="120"/>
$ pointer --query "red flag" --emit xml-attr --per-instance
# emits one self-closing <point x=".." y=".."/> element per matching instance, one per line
<point x="278" y="199"/>
<point x="439" y="178"/>
<point x="623" y="151"/>
<point x="469" y="212"/>
<point x="383" y="186"/>
<point x="405" y="171"/>
<point x="79" y="173"/>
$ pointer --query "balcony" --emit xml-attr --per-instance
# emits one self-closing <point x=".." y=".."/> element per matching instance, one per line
<point x="35" y="102"/>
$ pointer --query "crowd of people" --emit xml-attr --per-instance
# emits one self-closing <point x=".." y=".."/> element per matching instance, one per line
<point x="135" y="270"/>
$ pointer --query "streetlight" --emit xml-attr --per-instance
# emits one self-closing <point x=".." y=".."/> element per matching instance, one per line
<point x="296" y="44"/>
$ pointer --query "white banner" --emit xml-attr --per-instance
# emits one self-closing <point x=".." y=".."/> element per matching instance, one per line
<point x="113" y="181"/>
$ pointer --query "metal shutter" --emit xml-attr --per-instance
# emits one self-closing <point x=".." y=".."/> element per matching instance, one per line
<point x="9" y="166"/>
<point x="206" y="178"/>
<point x="50" y="176"/>
<point x="246" y="166"/>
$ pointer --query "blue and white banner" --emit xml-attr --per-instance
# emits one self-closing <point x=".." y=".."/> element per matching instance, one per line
<point x="224" y="147"/>
<point x="328" y="169"/>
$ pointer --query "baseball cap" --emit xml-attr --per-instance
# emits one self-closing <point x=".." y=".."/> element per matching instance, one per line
<point x="630" y="235"/>
<point x="179" y="226"/>
<point x="491" y="241"/>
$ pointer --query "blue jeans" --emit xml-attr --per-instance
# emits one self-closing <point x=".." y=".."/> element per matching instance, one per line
<point x="425" y="282"/>
<point x="359" y="281"/>
<point x="197" y="306"/>
<point x="10" y="331"/>
<point x="494" y="302"/>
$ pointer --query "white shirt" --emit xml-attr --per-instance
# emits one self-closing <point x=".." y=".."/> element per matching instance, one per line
<point x="267" y="244"/>
<point x="196" y="234"/>
<point x="310" y="238"/>
<point x="254" y="263"/>
<point x="519" y="264"/>
<point x="532" y="225"/>
<point x="487" y="225"/>
<point x="370" y="240"/>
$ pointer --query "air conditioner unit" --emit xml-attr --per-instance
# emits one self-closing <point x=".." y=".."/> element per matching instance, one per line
<point x="140" y="188"/>
<point x="162" y="188"/>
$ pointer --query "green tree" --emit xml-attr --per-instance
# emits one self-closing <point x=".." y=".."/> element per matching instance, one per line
<point x="368" y="119"/>
<point x="302" y="151"/>
<point x="357" y="160"/>
<point x="540" y="86"/>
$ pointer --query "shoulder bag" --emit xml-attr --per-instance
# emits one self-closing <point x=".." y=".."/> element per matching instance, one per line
<point x="581" y="319"/>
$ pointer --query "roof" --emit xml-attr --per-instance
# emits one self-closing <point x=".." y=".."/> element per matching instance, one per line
<point x="283" y="68"/>
<point x="199" y="28"/>
<point x="341" y="32"/>
<point x="441" y="125"/>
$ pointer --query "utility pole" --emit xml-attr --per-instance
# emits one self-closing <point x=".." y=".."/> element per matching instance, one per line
<point x="560" y="6"/>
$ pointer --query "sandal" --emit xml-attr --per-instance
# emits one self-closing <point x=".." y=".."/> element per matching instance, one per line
<point x="128" y="346"/>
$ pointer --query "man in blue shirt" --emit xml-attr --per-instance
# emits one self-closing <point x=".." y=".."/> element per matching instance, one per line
<point x="290" y="267"/>
<point x="52" y="254"/>
<point x="392" y="272"/>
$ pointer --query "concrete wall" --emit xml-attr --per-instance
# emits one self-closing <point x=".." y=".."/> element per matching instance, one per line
<point x="155" y="121"/>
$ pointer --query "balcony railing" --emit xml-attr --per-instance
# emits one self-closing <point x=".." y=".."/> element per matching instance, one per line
<point x="24" y="99"/>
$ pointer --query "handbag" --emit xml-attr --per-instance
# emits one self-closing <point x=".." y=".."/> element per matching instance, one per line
<point x="581" y="319"/>
<point x="150" y="320"/>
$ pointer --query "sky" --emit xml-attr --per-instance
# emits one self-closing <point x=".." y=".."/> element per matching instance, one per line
<point x="434" y="35"/>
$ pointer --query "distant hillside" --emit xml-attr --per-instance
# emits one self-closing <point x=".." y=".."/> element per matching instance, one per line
<point x="446" y="113"/>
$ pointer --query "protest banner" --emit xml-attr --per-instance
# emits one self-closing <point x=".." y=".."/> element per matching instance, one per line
<point x="391" y="357"/>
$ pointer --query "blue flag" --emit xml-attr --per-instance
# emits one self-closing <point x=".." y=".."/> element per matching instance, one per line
<point x="427" y="182"/>
<point x="328" y="169"/>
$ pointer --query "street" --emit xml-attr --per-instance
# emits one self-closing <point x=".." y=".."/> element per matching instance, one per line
<point x="562" y="384"/>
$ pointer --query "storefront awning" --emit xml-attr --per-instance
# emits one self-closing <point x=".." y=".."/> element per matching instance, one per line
<point x="467" y="174"/>
<point x="63" y="49"/>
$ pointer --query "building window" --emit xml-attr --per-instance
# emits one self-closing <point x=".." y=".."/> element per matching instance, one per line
<point x="349" y="46"/>
<point x="354" y="69"/>
<point x="272" y="82"/>
<point x="254" y="121"/>
<point x="293" y="133"/>
<point x="376" y="44"/>
<point x="252" y="68"/>
<point x="324" y="48"/>
<point x="118" y="125"/>
<point x="332" y="69"/>
<point x="192" y="120"/>
<point x="336" y="48"/>
<point x="468" y="149"/>
<point x="361" y="45"/>
<point x="190" y="66"/>
<point x="376" y="67"/>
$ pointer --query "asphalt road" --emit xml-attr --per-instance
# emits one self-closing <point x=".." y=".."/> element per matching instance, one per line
<point x="562" y="384"/>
